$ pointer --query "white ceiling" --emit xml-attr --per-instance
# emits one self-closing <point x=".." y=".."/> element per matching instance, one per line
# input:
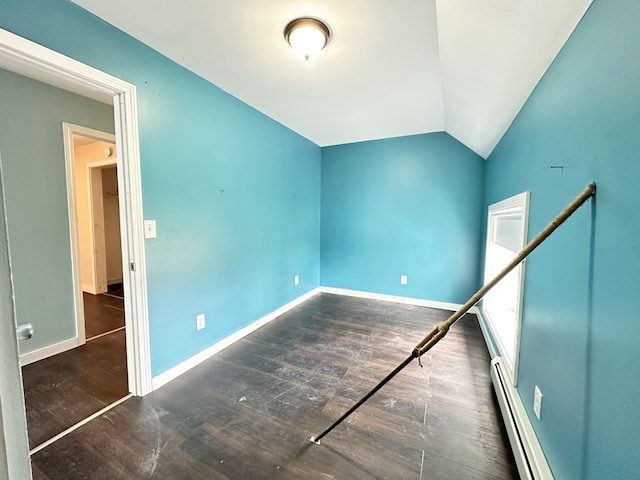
<point x="392" y="67"/>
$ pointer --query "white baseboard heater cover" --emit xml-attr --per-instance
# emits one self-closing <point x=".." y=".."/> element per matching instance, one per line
<point x="531" y="462"/>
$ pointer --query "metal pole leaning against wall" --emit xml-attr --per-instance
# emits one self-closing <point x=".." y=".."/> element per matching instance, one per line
<point x="442" y="328"/>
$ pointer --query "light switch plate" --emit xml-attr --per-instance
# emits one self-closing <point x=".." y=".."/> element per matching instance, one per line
<point x="149" y="229"/>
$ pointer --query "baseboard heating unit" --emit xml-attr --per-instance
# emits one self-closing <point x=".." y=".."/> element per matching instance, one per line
<point x="531" y="462"/>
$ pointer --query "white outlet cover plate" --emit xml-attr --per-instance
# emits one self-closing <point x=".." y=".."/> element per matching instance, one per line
<point x="200" y="321"/>
<point x="537" y="402"/>
<point x="403" y="279"/>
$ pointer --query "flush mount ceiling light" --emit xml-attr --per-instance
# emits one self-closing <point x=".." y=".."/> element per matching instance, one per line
<point x="307" y="36"/>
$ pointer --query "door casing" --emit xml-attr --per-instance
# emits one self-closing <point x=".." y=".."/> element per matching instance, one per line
<point x="29" y="59"/>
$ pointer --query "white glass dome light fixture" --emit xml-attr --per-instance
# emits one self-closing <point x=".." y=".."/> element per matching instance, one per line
<point x="307" y="36"/>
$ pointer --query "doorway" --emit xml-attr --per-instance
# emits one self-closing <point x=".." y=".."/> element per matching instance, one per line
<point x="94" y="207"/>
<point x="34" y="61"/>
<point x="101" y="249"/>
<point x="99" y="234"/>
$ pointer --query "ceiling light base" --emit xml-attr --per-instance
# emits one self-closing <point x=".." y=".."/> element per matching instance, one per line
<point x="307" y="36"/>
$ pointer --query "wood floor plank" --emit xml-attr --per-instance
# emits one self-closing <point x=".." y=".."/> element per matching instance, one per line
<point x="103" y="313"/>
<point x="248" y="412"/>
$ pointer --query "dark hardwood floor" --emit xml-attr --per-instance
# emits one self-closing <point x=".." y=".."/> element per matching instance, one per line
<point x="103" y="313"/>
<point x="66" y="388"/>
<point x="248" y="412"/>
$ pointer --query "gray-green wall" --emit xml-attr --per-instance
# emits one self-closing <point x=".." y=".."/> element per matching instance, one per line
<point x="33" y="166"/>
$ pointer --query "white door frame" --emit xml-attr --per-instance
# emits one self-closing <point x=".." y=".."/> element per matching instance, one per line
<point x="40" y="63"/>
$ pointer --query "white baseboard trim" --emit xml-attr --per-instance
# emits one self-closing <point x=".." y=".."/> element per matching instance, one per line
<point x="391" y="298"/>
<point x="45" y="352"/>
<point x="174" y="372"/>
<point x="113" y="281"/>
<point x="532" y="464"/>
<point x="493" y="352"/>
<point x="89" y="289"/>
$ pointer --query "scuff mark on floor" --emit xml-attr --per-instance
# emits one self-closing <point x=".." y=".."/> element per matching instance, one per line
<point x="390" y="402"/>
<point x="290" y="390"/>
<point x="149" y="462"/>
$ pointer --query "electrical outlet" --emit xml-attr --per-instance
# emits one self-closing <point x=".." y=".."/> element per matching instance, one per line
<point x="200" y="322"/>
<point x="296" y="280"/>
<point x="537" y="401"/>
<point x="403" y="279"/>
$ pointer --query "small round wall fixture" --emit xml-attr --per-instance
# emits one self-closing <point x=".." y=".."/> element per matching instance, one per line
<point x="307" y="36"/>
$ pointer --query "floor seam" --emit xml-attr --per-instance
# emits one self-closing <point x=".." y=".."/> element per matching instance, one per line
<point x="72" y="428"/>
<point x="95" y="337"/>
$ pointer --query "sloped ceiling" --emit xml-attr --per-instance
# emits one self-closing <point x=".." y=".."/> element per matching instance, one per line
<point x="392" y="68"/>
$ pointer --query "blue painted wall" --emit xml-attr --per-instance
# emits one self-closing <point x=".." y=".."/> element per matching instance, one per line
<point x="581" y="331"/>
<point x="236" y="196"/>
<point x="237" y="200"/>
<point x="402" y="206"/>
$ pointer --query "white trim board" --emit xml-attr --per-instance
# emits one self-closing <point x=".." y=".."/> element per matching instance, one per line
<point x="44" y="352"/>
<point x="521" y="434"/>
<point x="506" y="238"/>
<point x="183" y="367"/>
<point x="530" y="458"/>
<point x="493" y="352"/>
<point x="89" y="289"/>
<point x="392" y="298"/>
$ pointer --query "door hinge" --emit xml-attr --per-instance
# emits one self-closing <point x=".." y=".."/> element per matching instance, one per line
<point x="132" y="267"/>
